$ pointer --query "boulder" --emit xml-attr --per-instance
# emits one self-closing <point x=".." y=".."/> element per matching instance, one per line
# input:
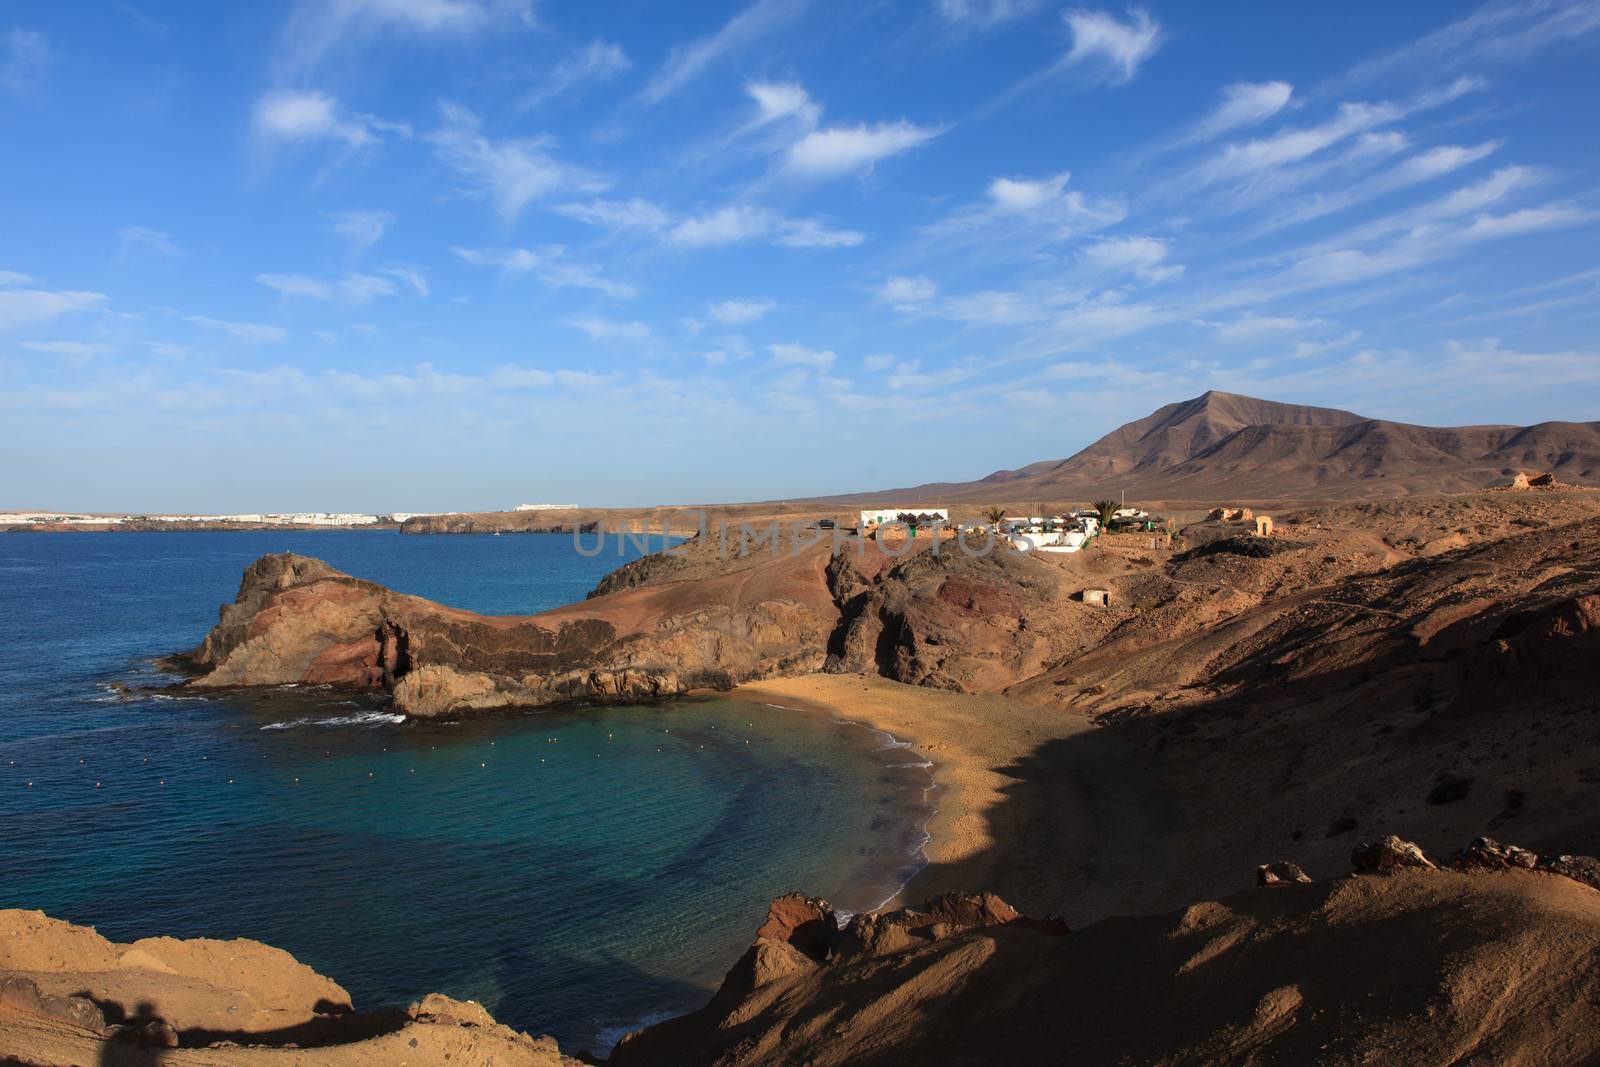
<point x="1282" y="872"/>
<point x="1485" y="853"/>
<point x="1387" y="855"/>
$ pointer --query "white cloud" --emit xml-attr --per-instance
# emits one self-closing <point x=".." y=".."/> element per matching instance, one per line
<point x="791" y="355"/>
<point x="1253" y="327"/>
<point x="783" y="100"/>
<point x="1119" y="46"/>
<point x="550" y="264"/>
<point x="1243" y="104"/>
<point x="987" y="13"/>
<point x="878" y="362"/>
<point x="732" y="224"/>
<point x="1022" y="194"/>
<point x="362" y="229"/>
<point x="511" y="173"/>
<point x="31" y="307"/>
<point x="907" y="293"/>
<point x="353" y="287"/>
<point x="317" y="27"/>
<point x="251" y="333"/>
<point x="634" y="214"/>
<point x="11" y="277"/>
<point x="809" y="233"/>
<point x="597" y="61"/>
<point x="25" y="59"/>
<point x="142" y="238"/>
<point x="75" y="350"/>
<point x="1144" y="257"/>
<point x="289" y="115"/>
<point x="598" y="329"/>
<point x="412" y="276"/>
<point x="1020" y="215"/>
<point x="727" y="225"/>
<point x="1238" y="161"/>
<point x="1495" y="32"/>
<point x="840" y="150"/>
<point x="688" y="61"/>
<point x="738" y="312"/>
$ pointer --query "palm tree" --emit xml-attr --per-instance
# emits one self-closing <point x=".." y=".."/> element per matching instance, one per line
<point x="994" y="514"/>
<point x="1107" y="509"/>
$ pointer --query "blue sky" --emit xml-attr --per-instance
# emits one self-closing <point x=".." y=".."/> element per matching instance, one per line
<point x="458" y="254"/>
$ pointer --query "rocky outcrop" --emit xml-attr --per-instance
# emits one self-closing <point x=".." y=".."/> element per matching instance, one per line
<point x="297" y="620"/>
<point x="69" y="996"/>
<point x="950" y="620"/>
<point x="1387" y="855"/>
<point x="1401" y="969"/>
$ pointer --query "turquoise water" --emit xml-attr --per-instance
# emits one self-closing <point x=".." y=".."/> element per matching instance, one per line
<point x="577" y="871"/>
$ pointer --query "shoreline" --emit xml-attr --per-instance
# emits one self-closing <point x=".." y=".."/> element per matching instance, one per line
<point x="1052" y="812"/>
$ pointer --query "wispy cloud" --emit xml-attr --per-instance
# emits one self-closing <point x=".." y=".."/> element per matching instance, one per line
<point x="288" y="116"/>
<point x="550" y="264"/>
<point x="1142" y="257"/>
<point x="986" y="14"/>
<point x="251" y="333"/>
<point x="25" y="59"/>
<point x="907" y="293"/>
<point x="33" y="307"/>
<point x="595" y="62"/>
<point x="1499" y="31"/>
<point x="841" y="150"/>
<point x="1243" y="104"/>
<point x="317" y="27"/>
<point x="73" y="350"/>
<point x="599" y="329"/>
<point x="352" y="288"/>
<point x="687" y="62"/>
<point x="1116" y="48"/>
<point x="739" y="312"/>
<point x="362" y="229"/>
<point x="144" y="239"/>
<point x="726" y="225"/>
<point x="793" y="355"/>
<point x="511" y="173"/>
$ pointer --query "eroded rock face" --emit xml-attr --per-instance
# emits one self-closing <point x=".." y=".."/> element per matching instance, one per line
<point x="296" y="620"/>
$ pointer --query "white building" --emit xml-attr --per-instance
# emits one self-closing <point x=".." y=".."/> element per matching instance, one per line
<point x="546" y="507"/>
<point x="926" y="516"/>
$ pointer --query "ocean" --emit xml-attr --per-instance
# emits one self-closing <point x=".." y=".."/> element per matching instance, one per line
<point x="578" y="871"/>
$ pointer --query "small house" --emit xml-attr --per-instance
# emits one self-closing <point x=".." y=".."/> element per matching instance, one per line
<point x="1100" y="598"/>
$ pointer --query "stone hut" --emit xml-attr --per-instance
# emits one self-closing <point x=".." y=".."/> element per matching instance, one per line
<point x="1100" y="598"/>
<point x="1263" y="525"/>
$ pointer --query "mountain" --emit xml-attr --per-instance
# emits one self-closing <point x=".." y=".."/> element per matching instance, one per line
<point x="1225" y="446"/>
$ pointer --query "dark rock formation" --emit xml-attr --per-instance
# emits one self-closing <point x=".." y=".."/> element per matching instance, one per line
<point x="1485" y="853"/>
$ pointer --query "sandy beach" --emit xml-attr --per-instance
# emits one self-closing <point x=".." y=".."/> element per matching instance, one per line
<point x="1050" y="811"/>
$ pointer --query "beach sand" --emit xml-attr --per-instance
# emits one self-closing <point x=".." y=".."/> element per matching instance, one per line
<point x="1041" y="806"/>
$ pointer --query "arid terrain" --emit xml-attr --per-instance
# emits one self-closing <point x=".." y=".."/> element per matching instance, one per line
<point x="1242" y="709"/>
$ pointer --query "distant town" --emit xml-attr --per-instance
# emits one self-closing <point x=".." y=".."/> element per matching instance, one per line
<point x="290" y="518"/>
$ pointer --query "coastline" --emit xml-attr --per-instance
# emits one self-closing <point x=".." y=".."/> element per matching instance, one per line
<point x="1045" y="808"/>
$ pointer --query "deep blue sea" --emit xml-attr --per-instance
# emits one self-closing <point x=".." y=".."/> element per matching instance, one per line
<point x="579" y="871"/>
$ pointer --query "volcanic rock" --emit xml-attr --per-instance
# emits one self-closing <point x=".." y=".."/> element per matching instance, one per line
<point x="1388" y="854"/>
